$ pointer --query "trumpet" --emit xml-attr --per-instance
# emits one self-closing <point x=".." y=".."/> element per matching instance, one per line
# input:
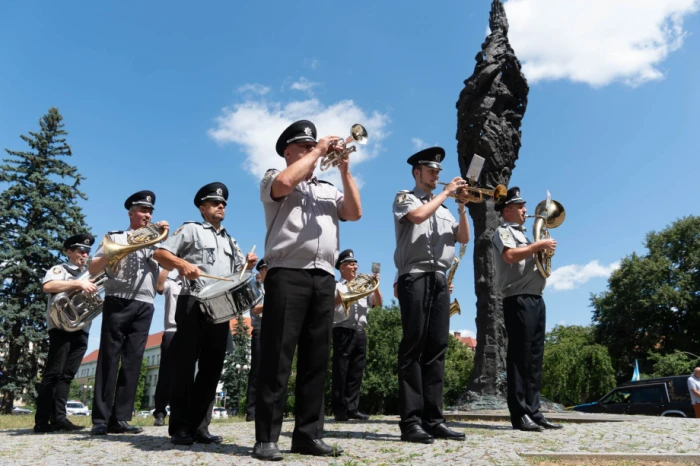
<point x="339" y="150"/>
<point x="476" y="195"/>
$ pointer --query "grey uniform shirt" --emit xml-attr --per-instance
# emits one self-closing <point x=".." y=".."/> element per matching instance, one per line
<point x="428" y="246"/>
<point x="136" y="275"/>
<point x="302" y="228"/>
<point x="214" y="253"/>
<point x="521" y="277"/>
<point x="171" y="290"/>
<point x="357" y="312"/>
<point x="59" y="272"/>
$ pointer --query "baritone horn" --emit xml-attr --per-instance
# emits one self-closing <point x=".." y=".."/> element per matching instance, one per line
<point x="548" y="214"/>
<point x="339" y="149"/>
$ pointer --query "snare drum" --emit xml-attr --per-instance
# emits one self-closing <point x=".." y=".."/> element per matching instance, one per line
<point x="223" y="300"/>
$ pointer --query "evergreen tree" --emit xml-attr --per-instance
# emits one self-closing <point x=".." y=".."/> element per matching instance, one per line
<point x="38" y="210"/>
<point x="141" y="399"/>
<point x="237" y="364"/>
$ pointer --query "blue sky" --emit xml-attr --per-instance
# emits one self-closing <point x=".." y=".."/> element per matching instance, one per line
<point x="171" y="96"/>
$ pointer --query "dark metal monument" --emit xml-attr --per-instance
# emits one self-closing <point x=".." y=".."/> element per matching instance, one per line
<point x="489" y="114"/>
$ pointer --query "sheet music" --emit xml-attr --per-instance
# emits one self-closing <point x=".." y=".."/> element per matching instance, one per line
<point x="474" y="170"/>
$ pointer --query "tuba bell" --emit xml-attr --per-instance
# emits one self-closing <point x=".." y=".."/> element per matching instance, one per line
<point x="361" y="286"/>
<point x="358" y="134"/>
<point x="548" y="214"/>
<point x="73" y="310"/>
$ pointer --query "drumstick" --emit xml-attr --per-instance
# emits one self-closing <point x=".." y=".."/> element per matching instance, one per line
<point x="244" y="268"/>
<point x="215" y="277"/>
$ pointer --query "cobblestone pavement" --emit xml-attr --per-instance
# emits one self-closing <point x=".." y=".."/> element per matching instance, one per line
<point x="372" y="442"/>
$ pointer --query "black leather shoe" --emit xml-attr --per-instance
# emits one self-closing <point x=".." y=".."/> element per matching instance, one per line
<point x="123" y="427"/>
<point x="182" y="437"/>
<point x="528" y="425"/>
<point x="99" y="429"/>
<point x="316" y="447"/>
<point x="43" y="428"/>
<point x="160" y="420"/>
<point x="65" y="426"/>
<point x="341" y="417"/>
<point x="267" y="451"/>
<point x="542" y="422"/>
<point x="249" y="417"/>
<point x="442" y="431"/>
<point x="358" y="415"/>
<point x="207" y="438"/>
<point x="416" y="434"/>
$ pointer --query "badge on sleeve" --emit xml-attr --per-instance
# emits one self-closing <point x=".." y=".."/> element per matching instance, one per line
<point x="505" y="235"/>
<point x="401" y="198"/>
<point x="178" y="230"/>
<point x="56" y="270"/>
<point x="268" y="174"/>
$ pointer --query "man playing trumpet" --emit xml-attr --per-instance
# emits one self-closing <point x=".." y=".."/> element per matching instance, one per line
<point x="301" y="248"/>
<point x="349" y="342"/>
<point x="426" y="233"/>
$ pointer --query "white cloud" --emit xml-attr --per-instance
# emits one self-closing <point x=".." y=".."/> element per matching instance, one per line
<point x="596" y="41"/>
<point x="572" y="276"/>
<point x="255" y="124"/>
<point x="465" y="333"/>
<point x="418" y="143"/>
<point x="304" y="85"/>
<point x="257" y="89"/>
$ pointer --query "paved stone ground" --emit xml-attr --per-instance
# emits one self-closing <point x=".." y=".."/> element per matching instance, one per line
<point x="373" y="442"/>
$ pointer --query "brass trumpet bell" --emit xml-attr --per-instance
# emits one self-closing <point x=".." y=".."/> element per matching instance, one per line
<point x="340" y="150"/>
<point x="477" y="195"/>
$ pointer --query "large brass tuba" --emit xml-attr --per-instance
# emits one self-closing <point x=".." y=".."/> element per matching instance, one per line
<point x="358" y="134"/>
<point x="361" y="286"/>
<point x="454" y="305"/>
<point x="548" y="214"/>
<point x="73" y="310"/>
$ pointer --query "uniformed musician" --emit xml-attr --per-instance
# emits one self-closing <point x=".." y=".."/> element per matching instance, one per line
<point x="169" y="285"/>
<point x="256" y="321"/>
<point x="126" y="320"/>
<point x="66" y="349"/>
<point x="349" y="342"/>
<point x="426" y="233"/>
<point x="199" y="248"/>
<point x="524" y="312"/>
<point x="301" y="247"/>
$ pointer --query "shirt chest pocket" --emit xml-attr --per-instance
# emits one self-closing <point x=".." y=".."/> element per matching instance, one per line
<point x="206" y="250"/>
<point x="520" y="237"/>
<point x="324" y="201"/>
<point x="444" y="220"/>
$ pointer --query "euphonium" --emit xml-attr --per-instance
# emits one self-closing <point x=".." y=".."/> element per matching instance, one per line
<point x="358" y="134"/>
<point x="73" y="310"/>
<point x="548" y="214"/>
<point x="454" y="305"/>
<point x="361" y="286"/>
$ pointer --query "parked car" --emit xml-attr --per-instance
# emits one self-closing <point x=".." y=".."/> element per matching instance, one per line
<point x="665" y="396"/>
<point x="20" y="410"/>
<point x="167" y="410"/>
<point x="76" y="408"/>
<point x="143" y="413"/>
<point x="219" y="413"/>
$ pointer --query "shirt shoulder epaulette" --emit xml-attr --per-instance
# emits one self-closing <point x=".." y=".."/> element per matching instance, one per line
<point x="115" y="232"/>
<point x="443" y="205"/>
<point x="324" y="181"/>
<point x="192" y="221"/>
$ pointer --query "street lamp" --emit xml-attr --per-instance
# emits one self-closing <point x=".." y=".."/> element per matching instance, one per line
<point x="240" y="385"/>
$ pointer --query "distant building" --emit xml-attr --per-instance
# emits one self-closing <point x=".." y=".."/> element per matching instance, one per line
<point x="468" y="341"/>
<point x="88" y="367"/>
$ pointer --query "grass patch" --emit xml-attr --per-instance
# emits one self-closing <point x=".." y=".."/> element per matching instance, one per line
<point x="549" y="461"/>
<point x="26" y="421"/>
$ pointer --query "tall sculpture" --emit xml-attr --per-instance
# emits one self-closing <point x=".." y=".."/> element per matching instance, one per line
<point x="489" y="114"/>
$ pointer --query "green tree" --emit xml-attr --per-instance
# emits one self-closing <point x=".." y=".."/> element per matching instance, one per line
<point x="575" y="367"/>
<point x="459" y="363"/>
<point x="38" y="210"/>
<point x="675" y="363"/>
<point x="140" y="398"/>
<point x="653" y="301"/>
<point x="237" y="364"/>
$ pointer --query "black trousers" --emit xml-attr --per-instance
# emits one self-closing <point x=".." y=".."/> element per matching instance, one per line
<point x="349" y="356"/>
<point x="425" y="318"/>
<point x="253" y="374"/>
<point x="297" y="313"/>
<point x="125" y="325"/>
<point x="162" y="395"/>
<point x="525" y="318"/>
<point x="197" y="344"/>
<point x="66" y="351"/>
